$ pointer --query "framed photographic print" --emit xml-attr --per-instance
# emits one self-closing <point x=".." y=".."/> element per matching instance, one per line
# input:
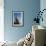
<point x="17" y="18"/>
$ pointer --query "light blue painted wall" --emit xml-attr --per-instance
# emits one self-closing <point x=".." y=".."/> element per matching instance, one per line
<point x="29" y="7"/>
<point x="43" y="6"/>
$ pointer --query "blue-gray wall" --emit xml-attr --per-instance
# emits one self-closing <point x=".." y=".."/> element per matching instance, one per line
<point x="30" y="7"/>
<point x="43" y="6"/>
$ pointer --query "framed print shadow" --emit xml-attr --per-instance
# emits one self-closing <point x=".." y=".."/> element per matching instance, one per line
<point x="17" y="18"/>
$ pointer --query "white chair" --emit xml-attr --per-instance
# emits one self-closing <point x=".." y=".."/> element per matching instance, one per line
<point x="39" y="35"/>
